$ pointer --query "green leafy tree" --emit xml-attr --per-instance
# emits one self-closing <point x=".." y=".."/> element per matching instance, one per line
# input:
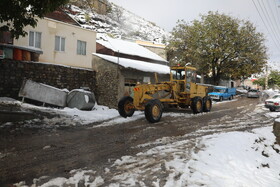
<point x="260" y="81"/>
<point x="273" y="79"/>
<point x="219" y="46"/>
<point x="16" y="14"/>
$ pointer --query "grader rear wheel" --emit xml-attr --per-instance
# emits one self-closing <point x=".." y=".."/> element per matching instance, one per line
<point x="207" y="104"/>
<point x="153" y="111"/>
<point x="126" y="107"/>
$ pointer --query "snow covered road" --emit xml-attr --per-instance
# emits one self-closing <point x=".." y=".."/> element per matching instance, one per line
<point x="231" y="146"/>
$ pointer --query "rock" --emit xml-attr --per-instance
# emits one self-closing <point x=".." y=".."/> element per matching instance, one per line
<point x="81" y="183"/>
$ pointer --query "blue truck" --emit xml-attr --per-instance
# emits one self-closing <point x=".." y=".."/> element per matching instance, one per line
<point x="220" y="93"/>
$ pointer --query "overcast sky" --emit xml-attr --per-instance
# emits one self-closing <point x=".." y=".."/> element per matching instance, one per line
<point x="165" y="14"/>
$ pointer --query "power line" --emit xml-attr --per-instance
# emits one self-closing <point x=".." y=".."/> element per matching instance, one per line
<point x="277" y="12"/>
<point x="274" y="29"/>
<point x="272" y="36"/>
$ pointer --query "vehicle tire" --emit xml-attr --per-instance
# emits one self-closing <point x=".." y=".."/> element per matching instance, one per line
<point x="126" y="107"/>
<point x="197" y="105"/>
<point x="207" y="104"/>
<point x="230" y="97"/>
<point x="221" y="99"/>
<point x="153" y="111"/>
<point x="272" y="109"/>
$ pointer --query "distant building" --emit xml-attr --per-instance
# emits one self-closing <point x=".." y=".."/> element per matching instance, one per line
<point x="159" y="49"/>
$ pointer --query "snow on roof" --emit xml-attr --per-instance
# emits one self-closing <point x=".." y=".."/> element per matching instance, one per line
<point x="127" y="47"/>
<point x="136" y="64"/>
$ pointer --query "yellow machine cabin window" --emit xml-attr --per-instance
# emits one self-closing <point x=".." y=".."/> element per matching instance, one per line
<point x="191" y="76"/>
<point x="178" y="74"/>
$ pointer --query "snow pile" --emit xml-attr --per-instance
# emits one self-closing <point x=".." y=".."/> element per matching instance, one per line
<point x="242" y="91"/>
<point x="69" y="116"/>
<point x="235" y="159"/>
<point x="119" y="23"/>
<point x="78" y="178"/>
<point x="271" y="92"/>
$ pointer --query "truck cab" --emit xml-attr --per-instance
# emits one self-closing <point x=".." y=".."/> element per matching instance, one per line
<point x="221" y="93"/>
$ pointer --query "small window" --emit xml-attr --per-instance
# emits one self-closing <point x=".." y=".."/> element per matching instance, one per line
<point x="81" y="47"/>
<point x="35" y="39"/>
<point x="59" y="43"/>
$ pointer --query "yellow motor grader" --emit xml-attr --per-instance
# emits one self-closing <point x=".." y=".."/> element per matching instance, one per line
<point x="181" y="91"/>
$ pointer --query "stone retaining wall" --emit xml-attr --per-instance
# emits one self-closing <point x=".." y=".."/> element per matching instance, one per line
<point x="12" y="74"/>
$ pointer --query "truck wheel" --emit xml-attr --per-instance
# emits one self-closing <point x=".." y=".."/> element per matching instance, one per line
<point x="221" y="99"/>
<point x="153" y="111"/>
<point x="231" y="97"/>
<point x="207" y="104"/>
<point x="197" y="105"/>
<point x="126" y="107"/>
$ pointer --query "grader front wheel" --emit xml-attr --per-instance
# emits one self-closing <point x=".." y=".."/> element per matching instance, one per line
<point x="126" y="107"/>
<point x="197" y="105"/>
<point x="153" y="111"/>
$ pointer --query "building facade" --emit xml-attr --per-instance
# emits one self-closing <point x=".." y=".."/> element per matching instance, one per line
<point x="61" y="43"/>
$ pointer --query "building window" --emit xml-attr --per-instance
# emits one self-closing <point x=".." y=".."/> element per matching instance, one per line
<point x="81" y="47"/>
<point x="35" y="39"/>
<point x="59" y="43"/>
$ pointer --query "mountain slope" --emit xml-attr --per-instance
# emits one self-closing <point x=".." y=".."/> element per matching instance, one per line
<point x="119" y="23"/>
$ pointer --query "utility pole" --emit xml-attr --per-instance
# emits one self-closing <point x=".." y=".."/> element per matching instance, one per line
<point x="266" y="78"/>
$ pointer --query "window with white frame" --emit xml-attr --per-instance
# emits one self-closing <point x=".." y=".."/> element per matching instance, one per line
<point x="59" y="43"/>
<point x="35" y="39"/>
<point x="81" y="47"/>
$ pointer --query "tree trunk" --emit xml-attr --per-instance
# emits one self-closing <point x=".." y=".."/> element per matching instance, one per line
<point x="202" y="78"/>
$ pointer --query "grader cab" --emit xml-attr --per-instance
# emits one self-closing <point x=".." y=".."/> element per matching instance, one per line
<point x="181" y="91"/>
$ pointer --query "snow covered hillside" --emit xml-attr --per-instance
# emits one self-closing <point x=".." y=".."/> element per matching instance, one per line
<point x="119" y="23"/>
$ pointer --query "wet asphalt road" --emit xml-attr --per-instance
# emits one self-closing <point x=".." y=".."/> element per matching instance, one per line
<point x="28" y="153"/>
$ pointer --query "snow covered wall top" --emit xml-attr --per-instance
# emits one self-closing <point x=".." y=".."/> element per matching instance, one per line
<point x="136" y="64"/>
<point x="129" y="48"/>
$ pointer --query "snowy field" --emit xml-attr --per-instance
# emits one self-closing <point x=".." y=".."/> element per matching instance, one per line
<point x="249" y="158"/>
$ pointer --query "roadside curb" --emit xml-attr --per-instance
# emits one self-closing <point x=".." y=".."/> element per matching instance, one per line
<point x="11" y="116"/>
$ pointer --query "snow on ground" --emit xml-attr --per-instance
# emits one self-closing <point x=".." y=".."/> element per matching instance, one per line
<point x="231" y="159"/>
<point x="249" y="158"/>
<point x="98" y="114"/>
<point x="235" y="159"/>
